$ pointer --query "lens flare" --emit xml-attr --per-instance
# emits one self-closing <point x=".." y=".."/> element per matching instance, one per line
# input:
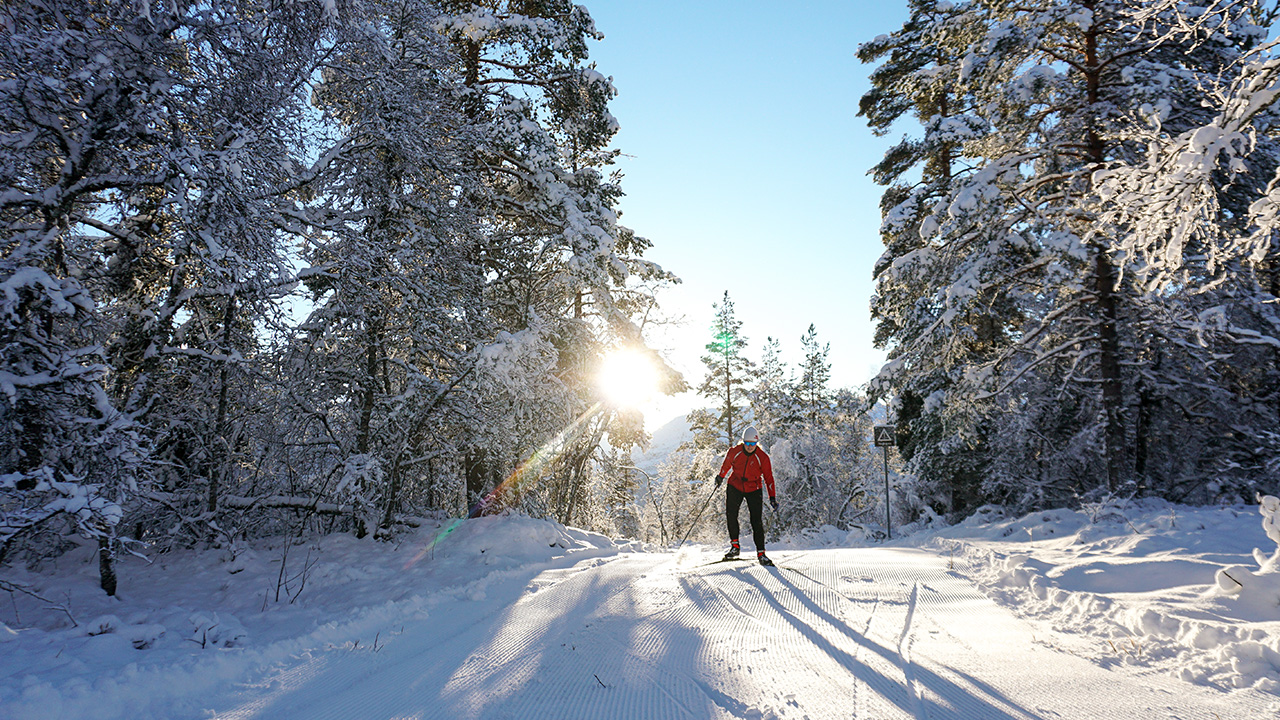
<point x="528" y="470"/>
<point x="627" y="378"/>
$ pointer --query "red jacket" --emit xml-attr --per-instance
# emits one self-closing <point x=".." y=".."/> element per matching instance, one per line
<point x="748" y="469"/>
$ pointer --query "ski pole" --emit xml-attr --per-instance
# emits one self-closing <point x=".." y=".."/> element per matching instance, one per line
<point x="696" y="517"/>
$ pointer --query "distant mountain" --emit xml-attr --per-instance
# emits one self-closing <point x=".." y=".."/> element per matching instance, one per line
<point x="668" y="437"/>
<point x="879" y="414"/>
<point x="664" y="442"/>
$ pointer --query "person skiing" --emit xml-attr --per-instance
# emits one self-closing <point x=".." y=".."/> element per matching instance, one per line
<point x="747" y="467"/>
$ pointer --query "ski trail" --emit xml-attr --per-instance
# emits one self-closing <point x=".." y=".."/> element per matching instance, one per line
<point x="868" y="634"/>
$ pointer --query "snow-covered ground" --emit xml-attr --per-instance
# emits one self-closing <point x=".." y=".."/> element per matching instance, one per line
<point x="1136" y="585"/>
<point x="1109" y="613"/>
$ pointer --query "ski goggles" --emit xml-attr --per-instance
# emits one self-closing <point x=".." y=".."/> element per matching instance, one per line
<point x="749" y="442"/>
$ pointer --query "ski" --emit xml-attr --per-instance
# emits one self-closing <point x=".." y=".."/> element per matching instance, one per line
<point x="725" y="560"/>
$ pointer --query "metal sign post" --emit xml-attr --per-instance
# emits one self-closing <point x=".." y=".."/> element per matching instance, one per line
<point x="886" y="436"/>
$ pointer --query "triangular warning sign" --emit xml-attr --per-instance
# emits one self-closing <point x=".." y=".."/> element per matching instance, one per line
<point x="884" y="435"/>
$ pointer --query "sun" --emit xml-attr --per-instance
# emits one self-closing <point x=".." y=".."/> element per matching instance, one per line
<point x="628" y="378"/>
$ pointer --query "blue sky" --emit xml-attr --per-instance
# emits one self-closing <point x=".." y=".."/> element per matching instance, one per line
<point x="747" y="168"/>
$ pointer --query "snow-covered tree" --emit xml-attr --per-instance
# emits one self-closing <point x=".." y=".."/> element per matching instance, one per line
<point x="196" y="270"/>
<point x="321" y="257"/>
<point x="686" y="504"/>
<point x="1031" y="313"/>
<point x="555" y="257"/>
<point x="90" y="108"/>
<point x="773" y="401"/>
<point x="918" y="76"/>
<point x="398" y="318"/>
<point x="825" y="471"/>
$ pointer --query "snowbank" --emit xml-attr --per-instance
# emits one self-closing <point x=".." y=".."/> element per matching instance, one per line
<point x="1260" y="589"/>
<point x="192" y="624"/>
<point x="1136" y="584"/>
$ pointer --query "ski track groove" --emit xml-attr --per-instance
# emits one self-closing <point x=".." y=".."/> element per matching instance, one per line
<point x="904" y="652"/>
<point x="789" y="644"/>
<point x="861" y="692"/>
<point x="878" y="674"/>
<point x="806" y="633"/>
<point x="976" y="704"/>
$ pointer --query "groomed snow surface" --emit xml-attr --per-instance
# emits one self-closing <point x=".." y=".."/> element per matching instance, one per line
<point x="1114" y="612"/>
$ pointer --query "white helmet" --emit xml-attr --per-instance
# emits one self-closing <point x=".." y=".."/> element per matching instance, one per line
<point x="750" y="435"/>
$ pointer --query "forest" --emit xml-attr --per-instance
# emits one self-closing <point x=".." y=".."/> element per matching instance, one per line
<point x="275" y="267"/>
<point x="284" y="268"/>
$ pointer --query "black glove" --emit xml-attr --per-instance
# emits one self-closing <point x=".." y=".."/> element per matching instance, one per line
<point x="774" y="502"/>
<point x="719" y="482"/>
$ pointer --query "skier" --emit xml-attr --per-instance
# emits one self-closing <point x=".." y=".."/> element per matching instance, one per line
<point x="747" y="466"/>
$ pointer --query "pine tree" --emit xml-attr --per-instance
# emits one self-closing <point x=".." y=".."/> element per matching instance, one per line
<point x="919" y="75"/>
<point x="729" y="374"/>
<point x="555" y="257"/>
<point x="1078" y="330"/>
<point x="1197" y="211"/>
<point x="815" y="375"/>
<point x="396" y="290"/>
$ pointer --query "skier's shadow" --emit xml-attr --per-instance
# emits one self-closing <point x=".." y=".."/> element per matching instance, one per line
<point x="987" y="702"/>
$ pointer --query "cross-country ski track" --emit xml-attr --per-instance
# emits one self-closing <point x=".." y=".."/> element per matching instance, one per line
<point x="877" y="633"/>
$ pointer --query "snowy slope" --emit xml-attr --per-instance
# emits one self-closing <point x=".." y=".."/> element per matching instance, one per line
<point x="664" y="441"/>
<point x="1052" y="615"/>
<point x="190" y="626"/>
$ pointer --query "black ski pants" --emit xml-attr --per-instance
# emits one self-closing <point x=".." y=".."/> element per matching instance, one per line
<point x="755" y="503"/>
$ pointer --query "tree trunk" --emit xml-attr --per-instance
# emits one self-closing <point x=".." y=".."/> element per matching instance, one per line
<point x="471" y="79"/>
<point x="1105" y="276"/>
<point x="221" y="431"/>
<point x="370" y="392"/>
<point x="728" y="400"/>
<point x="1109" y="369"/>
<point x="393" y="497"/>
<point x="476" y="473"/>
<point x="1142" y="436"/>
<point x="107" y="565"/>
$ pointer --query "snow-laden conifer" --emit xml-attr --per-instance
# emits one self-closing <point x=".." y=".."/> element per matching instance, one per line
<point x="1033" y="326"/>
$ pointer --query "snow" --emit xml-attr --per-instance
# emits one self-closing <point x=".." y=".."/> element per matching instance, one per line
<point x="63" y="297"/>
<point x="1108" y="612"/>
<point x="1136" y="584"/>
<point x="1082" y="18"/>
